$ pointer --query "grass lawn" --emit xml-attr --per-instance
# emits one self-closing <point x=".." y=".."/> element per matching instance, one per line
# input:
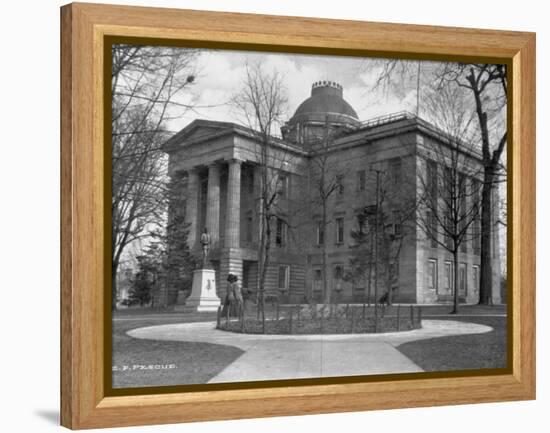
<point x="461" y="352"/>
<point x="138" y="362"/>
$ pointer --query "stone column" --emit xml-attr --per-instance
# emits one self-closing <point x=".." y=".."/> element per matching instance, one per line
<point x="213" y="203"/>
<point x="232" y="218"/>
<point x="191" y="205"/>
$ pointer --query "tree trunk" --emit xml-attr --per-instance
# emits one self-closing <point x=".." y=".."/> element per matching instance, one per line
<point x="455" y="278"/>
<point x="376" y="252"/>
<point x="114" y="269"/>
<point x="267" y="251"/>
<point x="261" y="255"/>
<point x="371" y="259"/>
<point x="486" y="266"/>
<point x="388" y="283"/>
<point x="326" y="291"/>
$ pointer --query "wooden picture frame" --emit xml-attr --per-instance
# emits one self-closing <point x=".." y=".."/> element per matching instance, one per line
<point x="84" y="225"/>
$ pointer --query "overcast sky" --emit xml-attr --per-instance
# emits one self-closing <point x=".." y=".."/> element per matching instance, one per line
<point x="221" y="74"/>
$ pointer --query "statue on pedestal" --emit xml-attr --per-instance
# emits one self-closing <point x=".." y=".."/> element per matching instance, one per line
<point x="203" y="295"/>
<point x="205" y="242"/>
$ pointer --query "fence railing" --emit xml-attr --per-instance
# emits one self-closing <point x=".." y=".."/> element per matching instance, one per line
<point x="319" y="318"/>
<point x="387" y="118"/>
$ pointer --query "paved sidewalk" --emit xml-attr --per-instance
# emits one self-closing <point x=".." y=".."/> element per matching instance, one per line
<point x="271" y="357"/>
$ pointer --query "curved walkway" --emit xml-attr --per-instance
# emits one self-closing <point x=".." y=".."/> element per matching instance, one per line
<point x="275" y="357"/>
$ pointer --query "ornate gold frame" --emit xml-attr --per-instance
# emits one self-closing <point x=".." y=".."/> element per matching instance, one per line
<point x="86" y="401"/>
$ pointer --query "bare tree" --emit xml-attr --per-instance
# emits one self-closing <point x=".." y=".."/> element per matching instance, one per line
<point x="383" y="226"/>
<point x="326" y="181"/>
<point x="486" y="85"/>
<point x="146" y="84"/>
<point x="448" y="197"/>
<point x="262" y="102"/>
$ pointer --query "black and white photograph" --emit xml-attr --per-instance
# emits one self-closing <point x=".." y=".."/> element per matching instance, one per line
<point x="275" y="216"/>
<point x="283" y="216"/>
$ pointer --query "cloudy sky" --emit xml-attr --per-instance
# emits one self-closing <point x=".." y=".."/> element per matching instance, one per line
<point x="221" y="74"/>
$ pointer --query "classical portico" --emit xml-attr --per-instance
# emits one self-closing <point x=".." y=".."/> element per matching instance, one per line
<point x="218" y="208"/>
<point x="221" y="174"/>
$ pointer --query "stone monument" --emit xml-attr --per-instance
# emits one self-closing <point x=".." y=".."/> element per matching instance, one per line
<point x="203" y="295"/>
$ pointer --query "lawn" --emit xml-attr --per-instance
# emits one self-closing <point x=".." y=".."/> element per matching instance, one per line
<point x="139" y="362"/>
<point x="461" y="352"/>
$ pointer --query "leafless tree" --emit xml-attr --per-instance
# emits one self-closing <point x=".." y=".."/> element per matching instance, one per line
<point x="262" y="103"/>
<point x="448" y="179"/>
<point x="147" y="84"/>
<point x="486" y="85"/>
<point x="326" y="182"/>
<point x="383" y="225"/>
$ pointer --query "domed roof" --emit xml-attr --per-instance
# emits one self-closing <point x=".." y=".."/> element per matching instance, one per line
<point x="326" y="98"/>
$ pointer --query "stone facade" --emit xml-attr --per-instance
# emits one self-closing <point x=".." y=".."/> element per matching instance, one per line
<point x="221" y="163"/>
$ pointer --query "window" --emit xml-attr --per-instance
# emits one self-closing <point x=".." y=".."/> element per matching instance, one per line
<point x="475" y="278"/>
<point x="280" y="233"/>
<point x="432" y="274"/>
<point x="449" y="277"/>
<point x="476" y="223"/>
<point x="462" y="211"/>
<point x="284" y="277"/>
<point x="449" y="194"/>
<point x="432" y="228"/>
<point x="395" y="171"/>
<point x="320" y="233"/>
<point x="339" y="230"/>
<point x="431" y="181"/>
<point x="282" y="186"/>
<point x="317" y="280"/>
<point x="361" y="180"/>
<point x="462" y="280"/>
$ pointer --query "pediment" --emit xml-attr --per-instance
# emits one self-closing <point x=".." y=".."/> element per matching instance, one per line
<point x="202" y="131"/>
<point x="196" y="131"/>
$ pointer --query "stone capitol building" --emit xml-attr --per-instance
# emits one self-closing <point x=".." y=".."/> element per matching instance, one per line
<point x="218" y="163"/>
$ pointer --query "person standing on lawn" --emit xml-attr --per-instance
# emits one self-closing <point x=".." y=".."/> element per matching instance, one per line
<point x="233" y="297"/>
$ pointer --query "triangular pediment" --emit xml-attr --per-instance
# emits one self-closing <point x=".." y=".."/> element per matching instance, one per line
<point x="198" y="130"/>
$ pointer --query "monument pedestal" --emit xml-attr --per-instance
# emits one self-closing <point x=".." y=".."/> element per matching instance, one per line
<point x="203" y="293"/>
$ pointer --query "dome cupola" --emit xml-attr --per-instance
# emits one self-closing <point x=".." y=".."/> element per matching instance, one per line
<point x="325" y="105"/>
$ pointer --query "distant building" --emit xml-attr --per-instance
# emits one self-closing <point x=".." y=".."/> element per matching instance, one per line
<point x="218" y="162"/>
